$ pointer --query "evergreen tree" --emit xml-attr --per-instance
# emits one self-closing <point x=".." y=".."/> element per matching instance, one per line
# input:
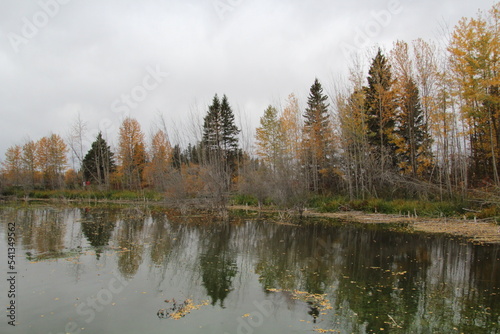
<point x="98" y="163"/>
<point x="195" y="154"/>
<point x="380" y="107"/>
<point x="413" y="141"/>
<point x="220" y="133"/>
<point x="229" y="130"/>
<point x="220" y="149"/>
<point x="318" y="143"/>
<point x="176" y="157"/>
<point x="212" y="127"/>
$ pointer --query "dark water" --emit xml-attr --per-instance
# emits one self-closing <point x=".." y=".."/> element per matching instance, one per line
<point x="96" y="270"/>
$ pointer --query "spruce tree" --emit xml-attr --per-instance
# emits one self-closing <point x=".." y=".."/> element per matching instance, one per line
<point x="229" y="130"/>
<point x="220" y="134"/>
<point x="212" y="128"/>
<point x="316" y="115"/>
<point x="98" y="163"/>
<point x="413" y="140"/>
<point x="177" y="157"/>
<point x="380" y="107"/>
<point x="220" y="148"/>
<point x="317" y="137"/>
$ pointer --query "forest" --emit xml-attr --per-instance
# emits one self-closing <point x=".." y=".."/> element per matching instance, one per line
<point x="418" y="122"/>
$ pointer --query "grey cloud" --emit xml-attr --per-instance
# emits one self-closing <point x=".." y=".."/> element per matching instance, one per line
<point x="91" y="52"/>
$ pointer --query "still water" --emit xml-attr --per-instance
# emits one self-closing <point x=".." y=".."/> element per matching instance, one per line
<point x="140" y="270"/>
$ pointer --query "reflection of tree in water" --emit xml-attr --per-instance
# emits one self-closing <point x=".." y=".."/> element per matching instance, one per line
<point x="313" y="311"/>
<point x="486" y="271"/>
<point x="463" y="287"/>
<point x="131" y="241"/>
<point x="25" y="225"/>
<point x="161" y="242"/>
<point x="278" y="256"/>
<point x="293" y="259"/>
<point x="382" y="278"/>
<point x="97" y="226"/>
<point x="217" y="263"/>
<point x="42" y="230"/>
<point x="318" y="254"/>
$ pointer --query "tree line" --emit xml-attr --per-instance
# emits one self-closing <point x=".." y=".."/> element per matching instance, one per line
<point x="422" y="121"/>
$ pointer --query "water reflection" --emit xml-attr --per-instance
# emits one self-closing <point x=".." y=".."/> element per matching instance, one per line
<point x="375" y="279"/>
<point x="131" y="240"/>
<point x="217" y="262"/>
<point x="97" y="226"/>
<point x="161" y="240"/>
<point x="42" y="232"/>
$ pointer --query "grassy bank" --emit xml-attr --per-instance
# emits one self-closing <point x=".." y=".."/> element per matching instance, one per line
<point x="87" y="194"/>
<point x="397" y="206"/>
<point x="324" y="204"/>
<point x="424" y="208"/>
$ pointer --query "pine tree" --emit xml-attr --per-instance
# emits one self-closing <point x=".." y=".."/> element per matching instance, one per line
<point x="380" y="108"/>
<point x="318" y="145"/>
<point x="176" y="159"/>
<point x="98" y="163"/>
<point x="220" y="133"/>
<point x="212" y="128"/>
<point x="220" y="150"/>
<point x="229" y="130"/>
<point x="412" y="138"/>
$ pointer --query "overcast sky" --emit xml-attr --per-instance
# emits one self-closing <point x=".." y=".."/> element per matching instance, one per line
<point x="110" y="58"/>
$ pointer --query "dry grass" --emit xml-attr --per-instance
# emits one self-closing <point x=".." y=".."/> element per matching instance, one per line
<point x="477" y="232"/>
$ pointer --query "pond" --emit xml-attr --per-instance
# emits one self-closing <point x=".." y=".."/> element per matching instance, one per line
<point x="145" y="270"/>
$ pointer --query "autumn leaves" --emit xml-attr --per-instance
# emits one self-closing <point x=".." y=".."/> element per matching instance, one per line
<point x="419" y="119"/>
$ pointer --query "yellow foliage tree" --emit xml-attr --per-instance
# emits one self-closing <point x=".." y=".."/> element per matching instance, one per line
<point x="131" y="153"/>
<point x="13" y="165"/>
<point x="474" y="53"/>
<point x="51" y="160"/>
<point x="157" y="169"/>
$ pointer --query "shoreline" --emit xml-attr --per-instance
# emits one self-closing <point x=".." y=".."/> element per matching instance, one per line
<point x="484" y="231"/>
<point x="475" y="231"/>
